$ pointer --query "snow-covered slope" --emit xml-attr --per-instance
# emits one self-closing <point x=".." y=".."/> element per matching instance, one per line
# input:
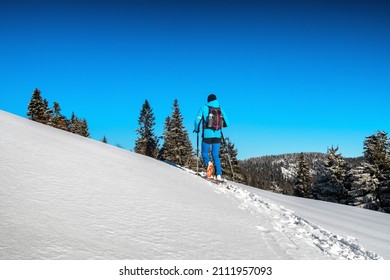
<point x="63" y="196"/>
<point x="369" y="228"/>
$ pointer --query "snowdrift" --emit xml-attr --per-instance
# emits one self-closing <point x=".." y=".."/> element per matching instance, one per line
<point x="63" y="196"/>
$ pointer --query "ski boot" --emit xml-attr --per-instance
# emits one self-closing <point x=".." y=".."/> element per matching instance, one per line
<point x="210" y="170"/>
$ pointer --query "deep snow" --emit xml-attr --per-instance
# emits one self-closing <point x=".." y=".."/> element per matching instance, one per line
<point x="63" y="196"/>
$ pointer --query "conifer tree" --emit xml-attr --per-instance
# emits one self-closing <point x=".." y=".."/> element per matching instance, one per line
<point x="377" y="157"/>
<point x="104" y="140"/>
<point x="167" y="144"/>
<point x="84" y="128"/>
<point x="78" y="126"/>
<point x="74" y="124"/>
<point x="229" y="152"/>
<point x="59" y="121"/>
<point x="363" y="188"/>
<point x="48" y="113"/>
<point x="38" y="108"/>
<point x="303" y="180"/>
<point x="147" y="142"/>
<point x="336" y="173"/>
<point x="177" y="147"/>
<point x="376" y="151"/>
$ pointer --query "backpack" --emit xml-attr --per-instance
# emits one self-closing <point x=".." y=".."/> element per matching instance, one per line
<point x="214" y="120"/>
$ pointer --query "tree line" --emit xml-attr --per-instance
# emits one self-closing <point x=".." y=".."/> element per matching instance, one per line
<point x="176" y="147"/>
<point x="39" y="111"/>
<point x="362" y="182"/>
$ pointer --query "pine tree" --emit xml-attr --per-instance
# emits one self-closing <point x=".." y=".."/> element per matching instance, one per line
<point x="104" y="140"/>
<point x="335" y="173"/>
<point x="38" y="108"/>
<point x="78" y="126"/>
<point x="167" y="144"/>
<point x="35" y="107"/>
<point x="303" y="180"/>
<point x="177" y="147"/>
<point x="228" y="155"/>
<point x="147" y="142"/>
<point x="47" y="113"/>
<point x="377" y="157"/>
<point x="74" y="124"/>
<point x="363" y="188"/>
<point x="376" y="150"/>
<point x="84" y="128"/>
<point x="59" y="121"/>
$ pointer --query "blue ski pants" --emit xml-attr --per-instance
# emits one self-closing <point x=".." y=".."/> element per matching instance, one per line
<point x="215" y="154"/>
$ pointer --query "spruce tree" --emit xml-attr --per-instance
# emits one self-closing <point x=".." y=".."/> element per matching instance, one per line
<point x="228" y="155"/>
<point x="303" y="180"/>
<point x="58" y="121"/>
<point x="38" y="108"/>
<point x="78" y="126"/>
<point x="376" y="150"/>
<point x="377" y="164"/>
<point x="363" y="188"/>
<point x="84" y="128"/>
<point x="47" y="113"/>
<point x="177" y="147"/>
<point x="74" y="124"/>
<point x="167" y="144"/>
<point x="104" y="140"/>
<point x="147" y="142"/>
<point x="336" y="173"/>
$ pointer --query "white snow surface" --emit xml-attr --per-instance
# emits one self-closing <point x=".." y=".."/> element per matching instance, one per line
<point x="63" y="196"/>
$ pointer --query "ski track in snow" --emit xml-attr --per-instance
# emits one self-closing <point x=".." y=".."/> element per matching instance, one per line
<point x="299" y="231"/>
<point x="293" y="226"/>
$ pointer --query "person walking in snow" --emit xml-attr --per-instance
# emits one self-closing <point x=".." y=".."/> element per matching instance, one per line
<point x="214" y="119"/>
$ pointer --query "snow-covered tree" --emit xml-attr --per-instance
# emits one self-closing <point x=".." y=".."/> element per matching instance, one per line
<point x="376" y="150"/>
<point x="228" y="155"/>
<point x="177" y="147"/>
<point x="85" y="129"/>
<point x="59" y="121"/>
<point x="363" y="190"/>
<point x="38" y="108"/>
<point x="377" y="157"/>
<point x="303" y="180"/>
<point x="167" y="144"/>
<point x="147" y="141"/>
<point x="74" y="124"/>
<point x="336" y="165"/>
<point x="78" y="126"/>
<point x="332" y="186"/>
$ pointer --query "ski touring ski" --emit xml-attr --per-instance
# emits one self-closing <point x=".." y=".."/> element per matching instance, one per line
<point x="212" y="179"/>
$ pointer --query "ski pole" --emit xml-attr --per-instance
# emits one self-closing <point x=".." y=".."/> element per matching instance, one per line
<point x="227" y="151"/>
<point x="197" y="148"/>
<point x="197" y="153"/>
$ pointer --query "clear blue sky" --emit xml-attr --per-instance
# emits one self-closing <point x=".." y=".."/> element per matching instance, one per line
<point x="293" y="76"/>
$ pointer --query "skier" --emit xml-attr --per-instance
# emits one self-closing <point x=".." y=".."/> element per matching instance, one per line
<point x="213" y="118"/>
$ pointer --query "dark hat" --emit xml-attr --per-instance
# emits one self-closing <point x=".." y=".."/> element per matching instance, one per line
<point x="211" y="97"/>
